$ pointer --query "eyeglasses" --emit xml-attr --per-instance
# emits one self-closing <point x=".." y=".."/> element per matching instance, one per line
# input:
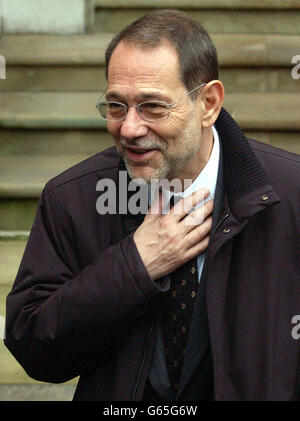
<point x="148" y="110"/>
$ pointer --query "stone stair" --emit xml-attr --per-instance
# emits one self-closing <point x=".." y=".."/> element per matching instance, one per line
<point x="48" y="120"/>
<point x="225" y="16"/>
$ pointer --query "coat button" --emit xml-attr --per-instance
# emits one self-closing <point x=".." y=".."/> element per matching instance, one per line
<point x="264" y="197"/>
<point x="226" y="230"/>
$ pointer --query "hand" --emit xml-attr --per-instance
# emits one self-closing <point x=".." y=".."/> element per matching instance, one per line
<point x="167" y="241"/>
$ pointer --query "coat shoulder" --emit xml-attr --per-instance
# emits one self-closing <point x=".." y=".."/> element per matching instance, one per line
<point x="105" y="162"/>
<point x="265" y="151"/>
<point x="276" y="159"/>
<point x="281" y="167"/>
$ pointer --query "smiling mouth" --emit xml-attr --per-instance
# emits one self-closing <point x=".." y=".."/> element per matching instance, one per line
<point x="139" y="155"/>
<point x="139" y="151"/>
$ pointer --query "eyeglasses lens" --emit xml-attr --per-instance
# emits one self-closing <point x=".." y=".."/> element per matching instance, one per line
<point x="152" y="111"/>
<point x="112" y="110"/>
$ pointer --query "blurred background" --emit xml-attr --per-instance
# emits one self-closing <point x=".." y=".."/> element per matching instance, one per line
<point x="51" y="73"/>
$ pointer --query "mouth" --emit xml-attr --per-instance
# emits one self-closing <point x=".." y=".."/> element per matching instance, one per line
<point x="139" y="155"/>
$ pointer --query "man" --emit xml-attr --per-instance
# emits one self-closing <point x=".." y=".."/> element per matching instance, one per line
<point x="97" y="294"/>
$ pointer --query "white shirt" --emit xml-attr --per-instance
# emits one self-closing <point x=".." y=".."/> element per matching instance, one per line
<point x="206" y="178"/>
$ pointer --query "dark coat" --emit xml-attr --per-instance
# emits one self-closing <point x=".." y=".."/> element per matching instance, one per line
<point x="84" y="304"/>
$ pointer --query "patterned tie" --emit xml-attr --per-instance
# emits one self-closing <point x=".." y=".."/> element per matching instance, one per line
<point x="176" y="316"/>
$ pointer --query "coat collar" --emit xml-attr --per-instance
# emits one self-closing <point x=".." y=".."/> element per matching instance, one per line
<point x="246" y="185"/>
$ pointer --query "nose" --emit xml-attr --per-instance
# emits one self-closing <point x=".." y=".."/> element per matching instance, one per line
<point x="133" y="126"/>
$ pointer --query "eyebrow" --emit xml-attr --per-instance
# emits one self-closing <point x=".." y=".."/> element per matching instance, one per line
<point x="114" y="95"/>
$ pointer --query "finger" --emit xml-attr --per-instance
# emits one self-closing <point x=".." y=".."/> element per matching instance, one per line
<point x="157" y="205"/>
<point x="197" y="249"/>
<point x="197" y="234"/>
<point x="196" y="217"/>
<point x="186" y="204"/>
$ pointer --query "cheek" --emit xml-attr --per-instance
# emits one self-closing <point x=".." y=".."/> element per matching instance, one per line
<point x="172" y="127"/>
<point x="178" y="120"/>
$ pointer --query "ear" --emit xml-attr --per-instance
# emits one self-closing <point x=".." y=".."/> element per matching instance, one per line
<point x="212" y="101"/>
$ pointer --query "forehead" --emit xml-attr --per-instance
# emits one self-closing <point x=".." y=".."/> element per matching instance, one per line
<point x="133" y="68"/>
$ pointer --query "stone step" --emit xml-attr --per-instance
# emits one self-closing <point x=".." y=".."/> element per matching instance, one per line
<point x="240" y="49"/>
<point x="74" y="110"/>
<point x="19" y="142"/>
<point x="88" y="142"/>
<point x="50" y="110"/>
<point x="54" y="78"/>
<point x="25" y="176"/>
<point x="92" y="78"/>
<point x="14" y="236"/>
<point x="223" y="16"/>
<point x="289" y="141"/>
<point x="204" y="4"/>
<point x="37" y="392"/>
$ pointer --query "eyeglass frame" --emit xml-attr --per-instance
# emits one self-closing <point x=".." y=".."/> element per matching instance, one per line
<point x="126" y="107"/>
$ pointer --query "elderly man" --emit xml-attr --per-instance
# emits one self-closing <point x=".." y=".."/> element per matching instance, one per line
<point x="156" y="306"/>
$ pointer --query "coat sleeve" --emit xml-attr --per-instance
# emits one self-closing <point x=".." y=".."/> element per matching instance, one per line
<point x="61" y="321"/>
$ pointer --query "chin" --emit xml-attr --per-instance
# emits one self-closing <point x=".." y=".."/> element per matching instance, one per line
<point x="144" y="171"/>
<point x="136" y="173"/>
